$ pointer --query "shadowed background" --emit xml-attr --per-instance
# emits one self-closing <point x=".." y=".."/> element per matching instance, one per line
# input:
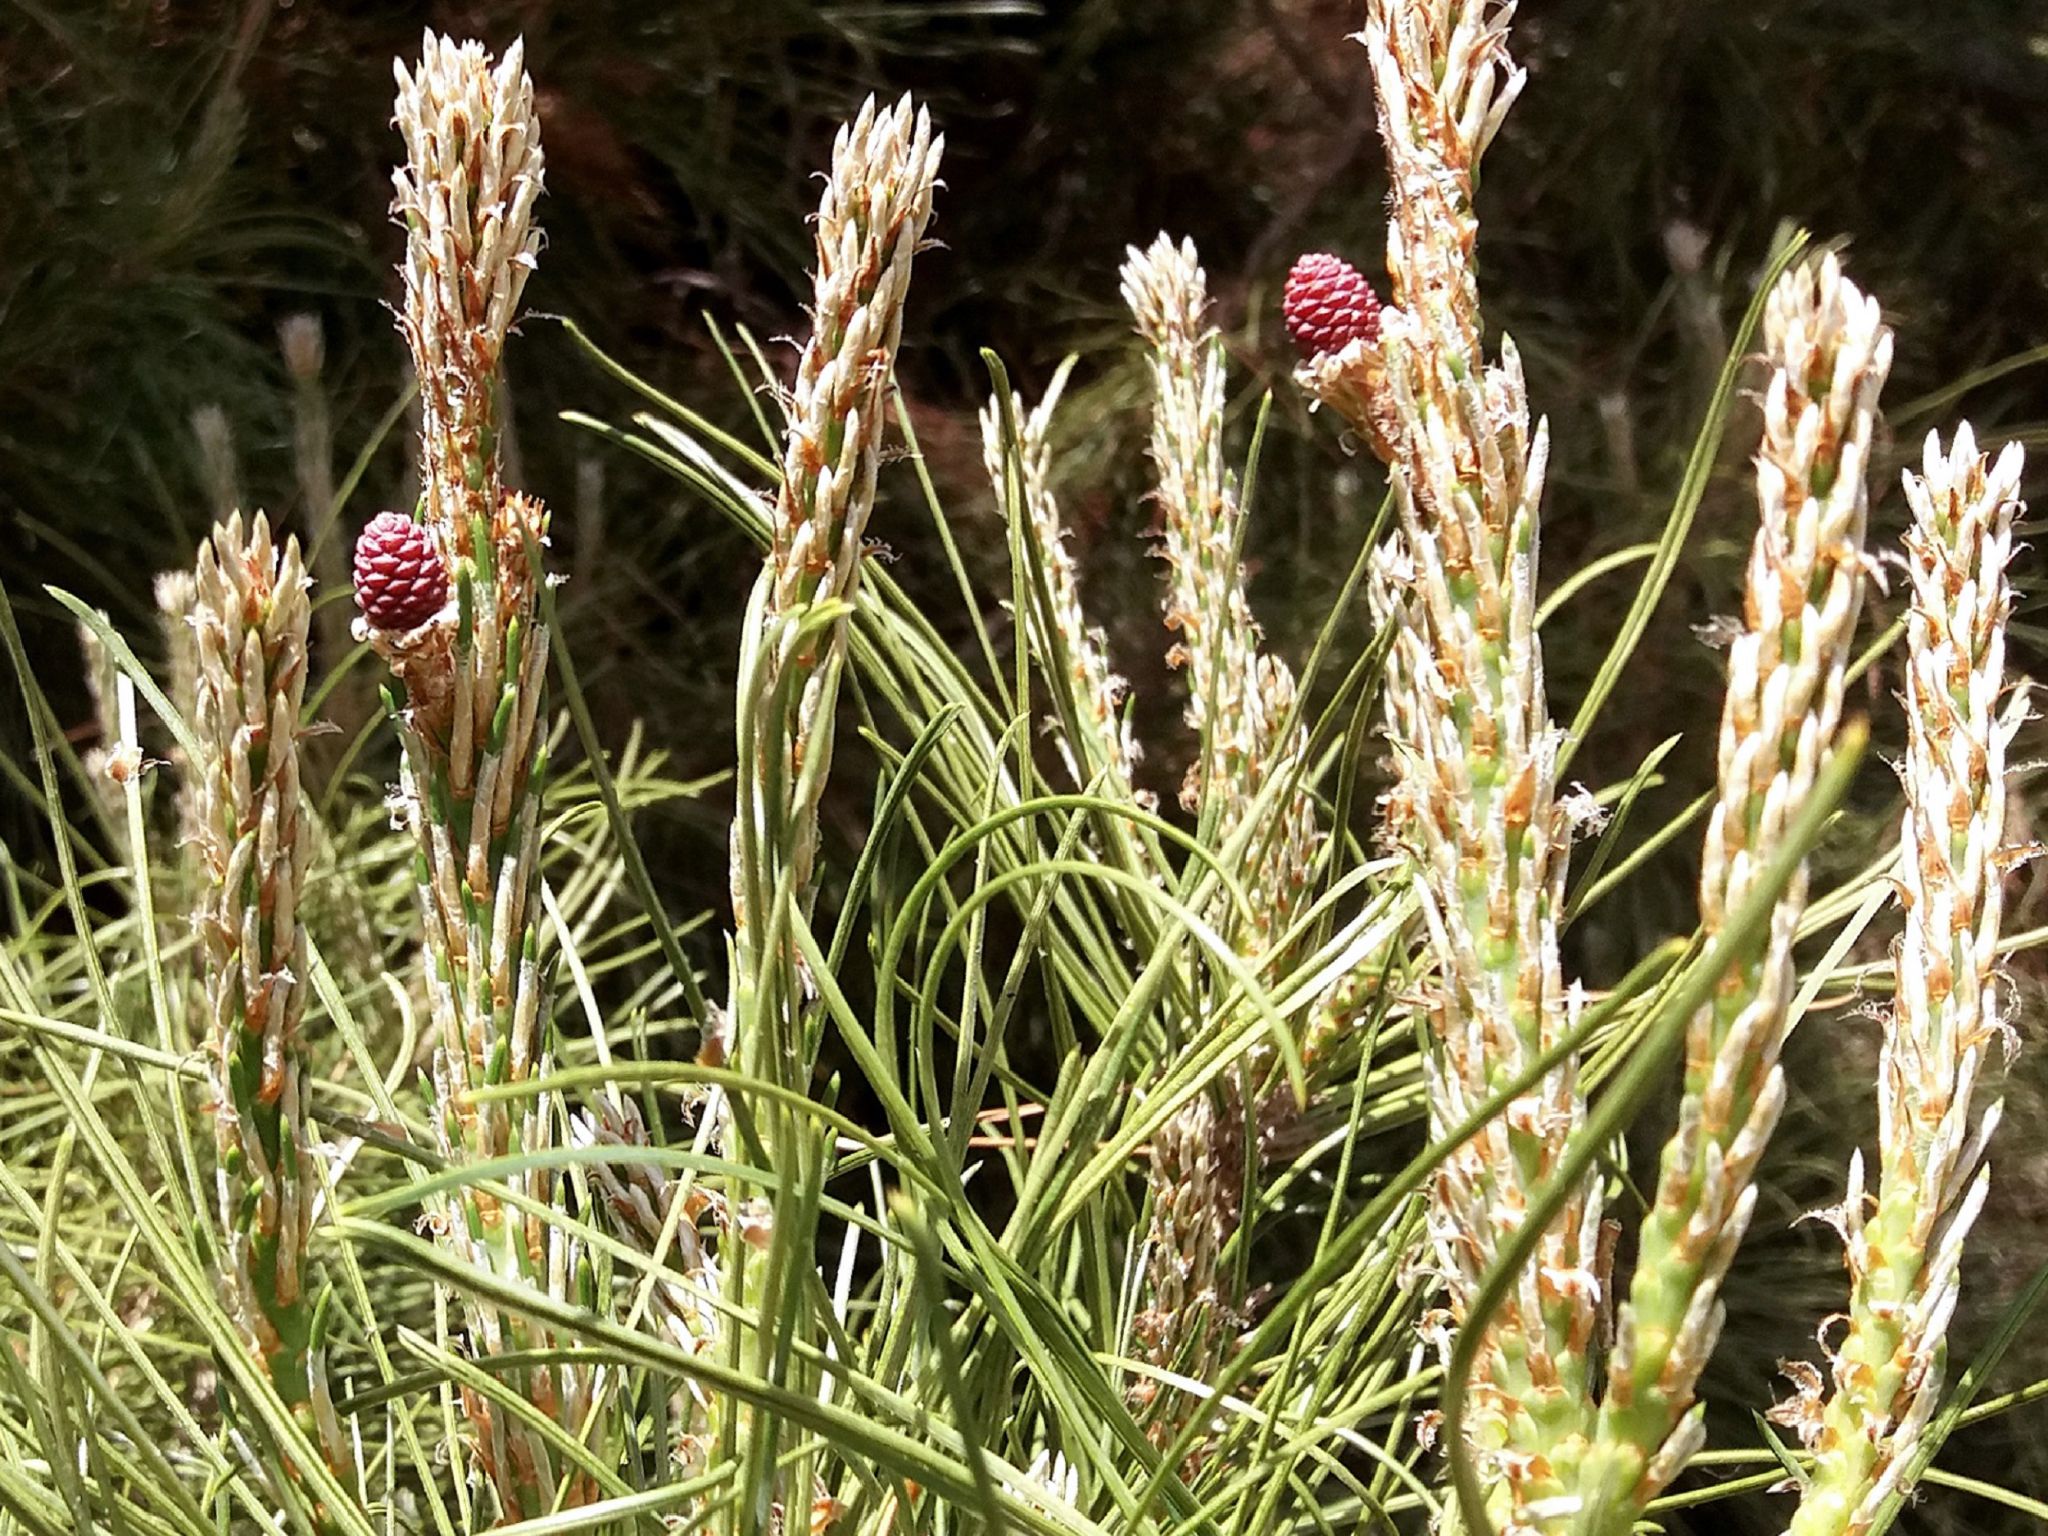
<point x="177" y="180"/>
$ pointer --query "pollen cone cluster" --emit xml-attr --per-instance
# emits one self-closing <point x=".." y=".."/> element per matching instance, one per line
<point x="684" y="1291"/>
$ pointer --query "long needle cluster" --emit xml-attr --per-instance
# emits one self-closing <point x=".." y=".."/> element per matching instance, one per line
<point x="1904" y="1255"/>
<point x="1829" y="353"/>
<point x="254" y="836"/>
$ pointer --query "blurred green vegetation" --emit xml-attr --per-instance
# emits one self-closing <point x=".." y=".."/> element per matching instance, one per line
<point x="176" y="179"/>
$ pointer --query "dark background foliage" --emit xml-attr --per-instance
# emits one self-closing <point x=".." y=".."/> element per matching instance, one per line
<point x="177" y="178"/>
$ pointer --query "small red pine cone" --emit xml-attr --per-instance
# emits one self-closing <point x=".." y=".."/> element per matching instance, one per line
<point x="401" y="579"/>
<point x="1328" y="305"/>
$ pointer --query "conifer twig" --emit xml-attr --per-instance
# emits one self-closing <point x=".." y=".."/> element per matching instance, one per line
<point x="871" y="222"/>
<point x="1108" y="745"/>
<point x="1904" y="1249"/>
<point x="451" y="603"/>
<point x="254" y="843"/>
<point x="1475" y="802"/>
<point x="1829" y="353"/>
<point x="1239" y="697"/>
<point x="1240" y="701"/>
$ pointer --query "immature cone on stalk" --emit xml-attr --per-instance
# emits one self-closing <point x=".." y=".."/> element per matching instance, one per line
<point x="1475" y="802"/>
<point x="1904" y="1255"/>
<point x="401" y="578"/>
<point x="1829" y="353"/>
<point x="471" y="717"/>
<point x="254" y="836"/>
<point x="1328" y="304"/>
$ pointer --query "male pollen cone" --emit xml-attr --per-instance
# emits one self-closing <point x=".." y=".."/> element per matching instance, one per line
<point x="1328" y="305"/>
<point x="401" y="580"/>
